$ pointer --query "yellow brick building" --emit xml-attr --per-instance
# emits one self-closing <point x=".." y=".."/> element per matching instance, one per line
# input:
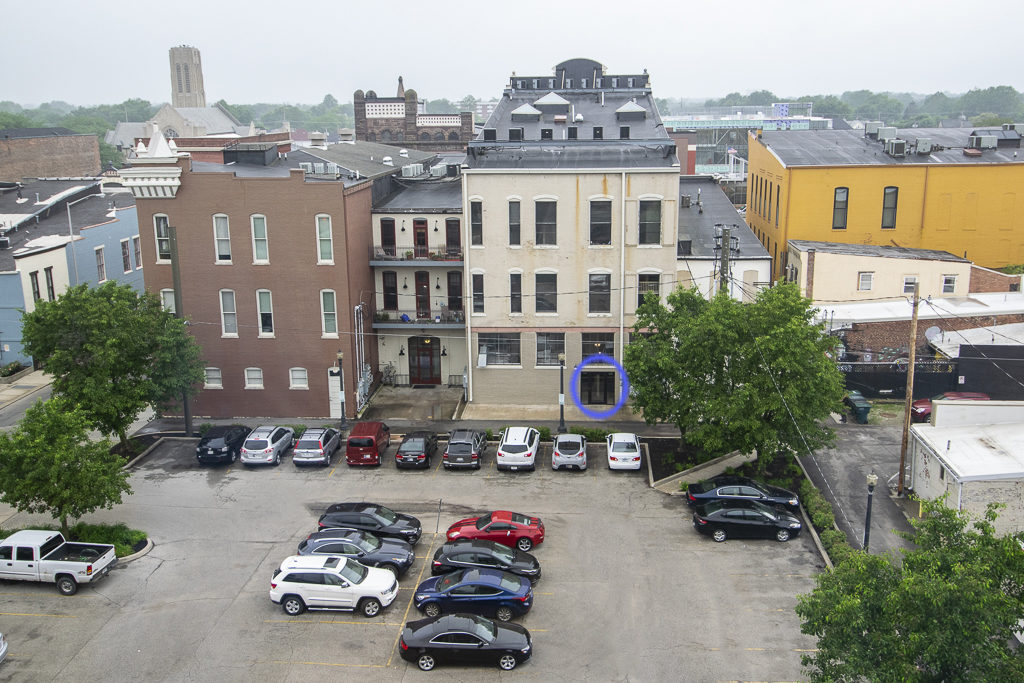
<point x="950" y="189"/>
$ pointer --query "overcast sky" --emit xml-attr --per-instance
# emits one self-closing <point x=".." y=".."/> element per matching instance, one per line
<point x="297" y="52"/>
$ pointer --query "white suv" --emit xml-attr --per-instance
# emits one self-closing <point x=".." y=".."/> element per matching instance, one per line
<point x="319" y="582"/>
<point x="518" y="448"/>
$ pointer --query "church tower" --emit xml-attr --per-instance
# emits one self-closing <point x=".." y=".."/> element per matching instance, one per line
<point x="186" y="77"/>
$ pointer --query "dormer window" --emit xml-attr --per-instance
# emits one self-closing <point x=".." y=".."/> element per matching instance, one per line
<point x="583" y="83"/>
<point x="630" y="83"/>
<point x="568" y="83"/>
<point x="623" y="132"/>
<point x="515" y="134"/>
<point x="615" y="82"/>
<point x="598" y="133"/>
<point x="573" y="132"/>
<point x="490" y="134"/>
<point x="546" y="134"/>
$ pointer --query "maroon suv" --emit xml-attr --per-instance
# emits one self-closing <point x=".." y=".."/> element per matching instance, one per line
<point x="921" y="409"/>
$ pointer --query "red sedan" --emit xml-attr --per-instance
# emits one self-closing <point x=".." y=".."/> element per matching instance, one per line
<point x="921" y="409"/>
<point x="501" y="526"/>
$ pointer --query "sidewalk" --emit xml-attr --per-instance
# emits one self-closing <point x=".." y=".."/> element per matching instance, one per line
<point x="24" y="386"/>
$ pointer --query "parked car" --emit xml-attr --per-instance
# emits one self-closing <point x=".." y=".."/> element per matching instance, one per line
<point x="501" y="526"/>
<point x="221" y="443"/>
<point x="40" y="555"/>
<point x="722" y="519"/>
<point x="623" y="451"/>
<point x="464" y="639"/>
<point x="318" y="582"/>
<point x="3" y="647"/>
<point x="376" y="519"/>
<point x="469" y="553"/>
<point x="316" y="446"/>
<point x="490" y="592"/>
<point x="728" y="487"/>
<point x="569" y="451"/>
<point x="517" y="449"/>
<point x="416" y="450"/>
<point x="921" y="409"/>
<point x="387" y="553"/>
<point x="267" y="444"/>
<point x="367" y="443"/>
<point x="465" y="449"/>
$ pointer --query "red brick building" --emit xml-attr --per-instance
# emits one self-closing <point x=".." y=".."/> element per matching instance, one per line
<point x="274" y="275"/>
<point x="47" y="153"/>
<point x="401" y="120"/>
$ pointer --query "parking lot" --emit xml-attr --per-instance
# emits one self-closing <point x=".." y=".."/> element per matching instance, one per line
<point x="629" y="590"/>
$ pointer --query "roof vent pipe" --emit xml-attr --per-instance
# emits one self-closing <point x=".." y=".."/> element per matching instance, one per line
<point x="602" y="98"/>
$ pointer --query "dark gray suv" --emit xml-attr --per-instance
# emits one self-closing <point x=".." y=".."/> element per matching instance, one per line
<point x="387" y="553"/>
<point x="465" y="449"/>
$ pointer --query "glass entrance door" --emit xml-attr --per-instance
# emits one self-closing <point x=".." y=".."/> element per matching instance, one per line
<point x="597" y="388"/>
<point x="424" y="360"/>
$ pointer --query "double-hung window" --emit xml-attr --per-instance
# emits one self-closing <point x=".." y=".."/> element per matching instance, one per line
<point x="101" y="266"/>
<point x="546" y="292"/>
<point x="515" y="288"/>
<point x="324" y="240"/>
<point x="513" y="223"/>
<point x="600" y="292"/>
<point x="161" y="228"/>
<point x="840" y="203"/>
<point x="260" y="246"/>
<point x="328" y="313"/>
<point x="265" y="308"/>
<point x="222" y="239"/>
<point x="389" y="279"/>
<point x="478" y="292"/>
<point x="865" y="280"/>
<point x="948" y="284"/>
<point x="137" y="248"/>
<point x="214" y="379"/>
<point x="228" y="314"/>
<point x="889" y="198"/>
<point x="650" y="221"/>
<point x="601" y="221"/>
<point x="126" y="256"/>
<point x="547" y="226"/>
<point x="476" y="223"/>
<point x="167" y="300"/>
<point x="253" y="378"/>
<point x="647" y="282"/>
<point x="594" y="343"/>
<point x="50" y="293"/>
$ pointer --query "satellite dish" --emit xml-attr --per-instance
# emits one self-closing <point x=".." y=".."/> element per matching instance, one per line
<point x="932" y="333"/>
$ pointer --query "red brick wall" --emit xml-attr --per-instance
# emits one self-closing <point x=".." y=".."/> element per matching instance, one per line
<point x="874" y="337"/>
<point x="49" y="157"/>
<point x="985" y="280"/>
<point x="293" y="277"/>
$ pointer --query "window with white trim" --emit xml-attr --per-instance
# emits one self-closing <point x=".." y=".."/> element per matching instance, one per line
<point x="50" y="293"/>
<point x="908" y="284"/>
<point x="137" y="248"/>
<point x="161" y="228"/>
<point x="864" y="281"/>
<point x="253" y="378"/>
<point x="101" y="266"/>
<point x="549" y="345"/>
<point x="298" y="378"/>
<point x="601" y="221"/>
<point x="501" y="348"/>
<point x="513" y="222"/>
<point x="948" y="284"/>
<point x="228" y="314"/>
<point x="260" y="243"/>
<point x="478" y="292"/>
<point x="167" y="300"/>
<point x="515" y="292"/>
<point x="324" y="240"/>
<point x="546" y="291"/>
<point x="126" y="256"/>
<point x="650" y="222"/>
<point x="328" y="313"/>
<point x="600" y="292"/>
<point x="265" y="310"/>
<point x="890" y="197"/>
<point x="33" y="279"/>
<point x="214" y="380"/>
<point x="546" y="214"/>
<point x="221" y="239"/>
<point x="647" y="282"/>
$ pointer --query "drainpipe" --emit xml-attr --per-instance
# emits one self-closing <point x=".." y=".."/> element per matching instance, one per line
<point x="622" y="266"/>
<point x="467" y="284"/>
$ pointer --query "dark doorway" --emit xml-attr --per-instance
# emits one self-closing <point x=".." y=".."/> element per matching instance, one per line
<point x="422" y="294"/>
<point x="453" y="238"/>
<point x="387" y="237"/>
<point x="419" y="236"/>
<point x="424" y="360"/>
<point x="597" y="388"/>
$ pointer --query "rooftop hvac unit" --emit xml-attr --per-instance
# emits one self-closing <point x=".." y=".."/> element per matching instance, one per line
<point x="923" y="145"/>
<point x="306" y="166"/>
<point x="886" y="133"/>
<point x="412" y="170"/>
<point x="318" y="167"/>
<point x="871" y="129"/>
<point x="438" y="171"/>
<point x="981" y="141"/>
<point x="896" y="148"/>
<point x="989" y="141"/>
<point x="5" y="242"/>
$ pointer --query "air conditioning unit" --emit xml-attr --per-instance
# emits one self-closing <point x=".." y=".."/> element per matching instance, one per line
<point x="981" y="141"/>
<point x="306" y="166"/>
<point x="5" y="242"/>
<point x="886" y="133"/>
<point x="438" y="171"/>
<point x="896" y="148"/>
<point x="871" y="129"/>
<point x="923" y="145"/>
<point x="412" y="170"/>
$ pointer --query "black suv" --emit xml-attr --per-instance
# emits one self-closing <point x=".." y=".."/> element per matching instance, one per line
<point x="387" y="553"/>
<point x="376" y="519"/>
<point x="416" y="450"/>
<point x="465" y="449"/>
<point x="222" y="443"/>
<point x="474" y="554"/>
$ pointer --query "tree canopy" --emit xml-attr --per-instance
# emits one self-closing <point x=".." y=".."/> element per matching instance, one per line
<point x="735" y="376"/>
<point x="946" y="613"/>
<point x="49" y="464"/>
<point x="113" y="352"/>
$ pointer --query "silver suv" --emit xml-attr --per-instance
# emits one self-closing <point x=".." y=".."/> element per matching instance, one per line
<point x="316" y="447"/>
<point x="266" y="444"/>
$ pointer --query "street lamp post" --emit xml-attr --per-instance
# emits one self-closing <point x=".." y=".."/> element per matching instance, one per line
<point x="71" y="230"/>
<point x="561" y="393"/>
<point x="341" y="392"/>
<point x="872" y="480"/>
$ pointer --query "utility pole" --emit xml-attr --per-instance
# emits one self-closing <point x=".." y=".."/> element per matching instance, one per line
<point x="908" y="402"/>
<point x="172" y="234"/>
<point x="723" y="276"/>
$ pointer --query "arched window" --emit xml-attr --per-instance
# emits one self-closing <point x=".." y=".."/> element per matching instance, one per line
<point x="439" y="137"/>
<point x="371" y="137"/>
<point x="425" y="136"/>
<point x="454" y="136"/>
<point x="385" y="136"/>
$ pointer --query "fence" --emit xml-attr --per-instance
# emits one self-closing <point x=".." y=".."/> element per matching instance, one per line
<point x="889" y="379"/>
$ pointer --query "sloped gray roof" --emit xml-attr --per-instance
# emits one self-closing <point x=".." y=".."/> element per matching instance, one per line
<point x="877" y="250"/>
<point x="698" y="226"/>
<point x="125" y="133"/>
<point x="212" y="118"/>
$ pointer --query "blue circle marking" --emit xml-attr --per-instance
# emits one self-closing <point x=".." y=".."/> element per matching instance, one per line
<point x="574" y="392"/>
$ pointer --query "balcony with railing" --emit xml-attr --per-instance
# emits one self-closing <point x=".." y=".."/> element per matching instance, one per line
<point x="417" y="255"/>
<point x="440" y="318"/>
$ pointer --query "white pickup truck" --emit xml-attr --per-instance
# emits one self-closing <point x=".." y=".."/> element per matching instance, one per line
<point x="45" y="556"/>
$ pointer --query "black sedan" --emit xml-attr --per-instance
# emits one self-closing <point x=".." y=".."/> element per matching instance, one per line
<point x="376" y="519"/>
<point x="467" y="553"/>
<point x="728" y="487"/>
<point x="464" y="639"/>
<point x="722" y="519"/>
<point x="388" y="553"/>
<point x="221" y="443"/>
<point x="416" y="450"/>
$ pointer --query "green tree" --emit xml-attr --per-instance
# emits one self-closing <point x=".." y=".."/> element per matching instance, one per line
<point x="16" y="121"/>
<point x="1001" y="99"/>
<point x="946" y="613"/>
<point x="468" y="103"/>
<point x="441" y="106"/>
<point x="50" y="465"/>
<point x="828" y="105"/>
<point x="735" y="376"/>
<point x="990" y="120"/>
<point x="113" y="352"/>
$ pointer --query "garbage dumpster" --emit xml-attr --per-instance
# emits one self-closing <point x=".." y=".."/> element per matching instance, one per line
<point x="859" y="406"/>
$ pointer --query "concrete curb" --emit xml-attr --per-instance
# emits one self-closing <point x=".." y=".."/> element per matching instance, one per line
<point x="810" y="525"/>
<point x="131" y="463"/>
<point x="25" y="395"/>
<point x="134" y="556"/>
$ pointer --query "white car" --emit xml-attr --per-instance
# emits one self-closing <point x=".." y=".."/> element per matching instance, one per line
<point x="265" y="445"/>
<point x="570" y="451"/>
<point x="331" y="582"/>
<point x="517" y="449"/>
<point x="623" y="451"/>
